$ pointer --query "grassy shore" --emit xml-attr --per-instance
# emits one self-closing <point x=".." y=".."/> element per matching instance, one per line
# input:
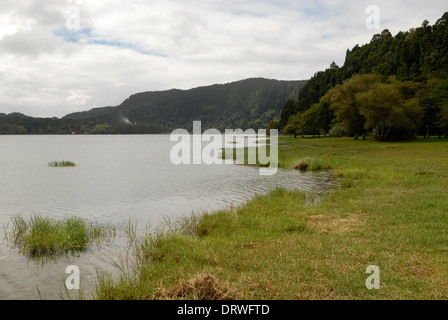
<point x="390" y="211"/>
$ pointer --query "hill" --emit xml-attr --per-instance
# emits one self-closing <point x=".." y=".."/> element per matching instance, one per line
<point x="244" y="104"/>
<point x="249" y="103"/>
<point x="418" y="58"/>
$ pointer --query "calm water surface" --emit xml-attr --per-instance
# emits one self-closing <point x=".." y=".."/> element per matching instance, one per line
<point x="117" y="179"/>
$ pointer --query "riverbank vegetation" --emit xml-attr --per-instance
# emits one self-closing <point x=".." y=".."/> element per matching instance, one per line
<point x="391" y="211"/>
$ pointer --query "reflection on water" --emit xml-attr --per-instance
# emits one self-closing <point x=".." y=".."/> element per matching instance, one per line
<point x="117" y="178"/>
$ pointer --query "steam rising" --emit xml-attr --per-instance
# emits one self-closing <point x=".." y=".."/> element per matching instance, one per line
<point x="125" y="120"/>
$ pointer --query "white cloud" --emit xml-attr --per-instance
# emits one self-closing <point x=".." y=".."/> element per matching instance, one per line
<point x="127" y="47"/>
<point x="78" y="98"/>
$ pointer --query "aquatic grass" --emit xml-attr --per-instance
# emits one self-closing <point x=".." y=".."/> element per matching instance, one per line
<point x="48" y="237"/>
<point x="62" y="164"/>
<point x="313" y="164"/>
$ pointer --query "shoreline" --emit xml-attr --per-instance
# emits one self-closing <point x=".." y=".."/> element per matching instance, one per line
<point x="278" y="247"/>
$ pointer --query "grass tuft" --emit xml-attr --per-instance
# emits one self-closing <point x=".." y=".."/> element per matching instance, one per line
<point x="61" y="164"/>
<point x="313" y="164"/>
<point x="47" y="237"/>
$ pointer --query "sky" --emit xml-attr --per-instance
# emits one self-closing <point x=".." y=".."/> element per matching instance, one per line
<point x="64" y="56"/>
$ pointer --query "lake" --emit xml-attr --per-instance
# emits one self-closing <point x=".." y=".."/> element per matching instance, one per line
<point x="116" y="179"/>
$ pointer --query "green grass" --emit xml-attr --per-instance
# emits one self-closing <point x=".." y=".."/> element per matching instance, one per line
<point x="61" y="164"/>
<point x="391" y="210"/>
<point x="285" y="159"/>
<point x="41" y="237"/>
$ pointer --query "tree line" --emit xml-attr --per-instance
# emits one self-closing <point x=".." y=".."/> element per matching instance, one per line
<point x="17" y="123"/>
<point x="394" y="87"/>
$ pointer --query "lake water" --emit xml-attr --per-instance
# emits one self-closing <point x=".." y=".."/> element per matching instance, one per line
<point x="117" y="179"/>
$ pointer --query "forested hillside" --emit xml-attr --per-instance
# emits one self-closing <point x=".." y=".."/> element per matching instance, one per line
<point x="412" y="69"/>
<point x="250" y="103"/>
<point x="244" y="104"/>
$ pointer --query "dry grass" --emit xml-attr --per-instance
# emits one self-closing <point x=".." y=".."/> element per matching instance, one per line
<point x="201" y="287"/>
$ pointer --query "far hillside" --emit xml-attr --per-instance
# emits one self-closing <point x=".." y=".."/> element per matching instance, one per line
<point x="244" y="104"/>
<point x="250" y="103"/>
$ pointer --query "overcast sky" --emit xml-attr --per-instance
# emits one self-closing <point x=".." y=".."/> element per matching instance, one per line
<point x="52" y="63"/>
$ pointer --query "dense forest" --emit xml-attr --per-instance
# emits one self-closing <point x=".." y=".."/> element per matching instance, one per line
<point x="394" y="87"/>
<point x="244" y="104"/>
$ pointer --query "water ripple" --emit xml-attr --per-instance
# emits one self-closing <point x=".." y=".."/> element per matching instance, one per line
<point x="117" y="178"/>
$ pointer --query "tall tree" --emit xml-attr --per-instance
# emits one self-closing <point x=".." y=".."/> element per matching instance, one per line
<point x="342" y="100"/>
<point x="387" y="111"/>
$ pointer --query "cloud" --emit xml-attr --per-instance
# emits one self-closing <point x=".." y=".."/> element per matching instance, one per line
<point x="122" y="47"/>
<point x="29" y="42"/>
<point x="78" y="98"/>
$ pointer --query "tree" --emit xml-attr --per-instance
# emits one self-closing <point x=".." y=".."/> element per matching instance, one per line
<point x="371" y="102"/>
<point x="432" y="98"/>
<point x="293" y="126"/>
<point x="333" y="65"/>
<point x="442" y="123"/>
<point x="304" y="123"/>
<point x="288" y="110"/>
<point x="342" y="100"/>
<point x="325" y="116"/>
<point x="309" y="123"/>
<point x="101" y="129"/>
<point x="273" y="124"/>
<point x="387" y="111"/>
